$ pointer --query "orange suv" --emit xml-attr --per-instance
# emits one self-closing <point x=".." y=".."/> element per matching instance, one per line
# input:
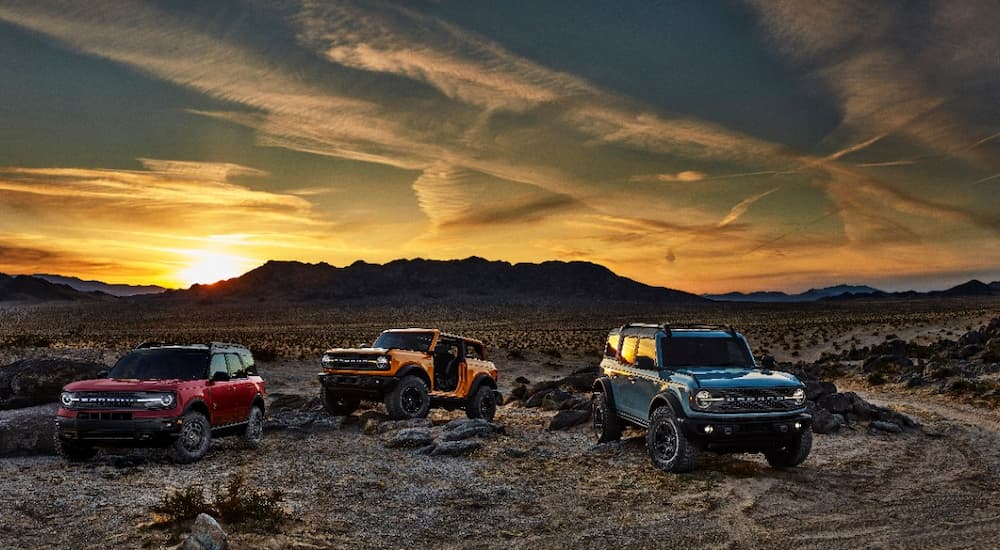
<point x="412" y="370"/>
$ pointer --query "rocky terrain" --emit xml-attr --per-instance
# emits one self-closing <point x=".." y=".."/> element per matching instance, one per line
<point x="906" y="456"/>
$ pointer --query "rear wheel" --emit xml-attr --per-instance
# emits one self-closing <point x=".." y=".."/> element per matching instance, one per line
<point x="409" y="399"/>
<point x="194" y="439"/>
<point x="668" y="448"/>
<point x="483" y="404"/>
<point x="255" y="428"/>
<point x="338" y="404"/>
<point x="791" y="453"/>
<point x="606" y="424"/>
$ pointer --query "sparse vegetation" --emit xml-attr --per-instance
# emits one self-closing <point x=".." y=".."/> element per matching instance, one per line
<point x="232" y="503"/>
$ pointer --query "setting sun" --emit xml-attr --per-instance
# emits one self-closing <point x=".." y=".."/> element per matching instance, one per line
<point x="210" y="267"/>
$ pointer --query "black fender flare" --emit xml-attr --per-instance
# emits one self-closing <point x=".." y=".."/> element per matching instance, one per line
<point x="603" y="385"/>
<point x="479" y="381"/>
<point x="258" y="400"/>
<point x="198" y="404"/>
<point x="415" y="369"/>
<point x="668" y="399"/>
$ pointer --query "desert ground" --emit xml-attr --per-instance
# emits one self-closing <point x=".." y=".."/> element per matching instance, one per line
<point x="935" y="486"/>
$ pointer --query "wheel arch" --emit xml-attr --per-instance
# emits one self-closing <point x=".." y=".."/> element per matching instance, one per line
<point x="415" y="369"/>
<point x="479" y="381"/>
<point x="667" y="399"/>
<point x="198" y="405"/>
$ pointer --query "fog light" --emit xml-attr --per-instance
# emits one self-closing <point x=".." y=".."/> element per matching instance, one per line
<point x="798" y="425"/>
<point x="709" y="429"/>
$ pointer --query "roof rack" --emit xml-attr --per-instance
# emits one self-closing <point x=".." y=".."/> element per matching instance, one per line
<point x="154" y="344"/>
<point x="667" y="327"/>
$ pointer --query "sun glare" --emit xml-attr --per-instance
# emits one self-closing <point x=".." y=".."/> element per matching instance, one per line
<point x="208" y="267"/>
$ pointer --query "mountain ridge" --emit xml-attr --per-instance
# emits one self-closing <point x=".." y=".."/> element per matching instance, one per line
<point x="88" y="285"/>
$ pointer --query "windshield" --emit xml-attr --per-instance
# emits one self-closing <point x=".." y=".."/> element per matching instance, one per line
<point x="416" y="341"/>
<point x="162" y="364"/>
<point x="705" y="352"/>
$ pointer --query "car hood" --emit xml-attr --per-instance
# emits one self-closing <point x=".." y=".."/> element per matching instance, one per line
<point x="357" y="351"/>
<point x="737" y="377"/>
<point x="124" y="385"/>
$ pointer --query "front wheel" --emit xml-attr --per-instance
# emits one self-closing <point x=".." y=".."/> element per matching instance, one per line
<point x="194" y="439"/>
<point x="606" y="425"/>
<point x="791" y="453"/>
<point x="668" y="448"/>
<point x="255" y="428"/>
<point x="483" y="404"/>
<point x="409" y="399"/>
<point x="338" y="404"/>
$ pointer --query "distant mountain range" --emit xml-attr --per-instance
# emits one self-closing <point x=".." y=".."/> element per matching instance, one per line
<point x="412" y="281"/>
<point x="417" y="280"/>
<point x="98" y="286"/>
<point x="810" y="295"/>
<point x="25" y="288"/>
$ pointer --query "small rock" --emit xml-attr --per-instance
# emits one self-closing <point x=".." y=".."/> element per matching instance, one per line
<point x="411" y="438"/>
<point x="390" y="425"/>
<point x="554" y="399"/>
<point x="568" y="418"/>
<point x="206" y="534"/>
<point x="522" y="380"/>
<point x="515" y="453"/>
<point x="456" y="448"/>
<point x="890" y="427"/>
<point x="520" y="391"/>
<point x="535" y="399"/>
<point x="464" y="428"/>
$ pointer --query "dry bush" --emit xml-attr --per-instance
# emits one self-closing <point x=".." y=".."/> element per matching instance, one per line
<point x="232" y="503"/>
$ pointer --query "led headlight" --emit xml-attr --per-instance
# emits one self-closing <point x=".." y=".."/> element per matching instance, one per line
<point x="703" y="399"/>
<point x="156" y="400"/>
<point x="67" y="399"/>
<point x="798" y="396"/>
<point x="327" y="359"/>
<point x="382" y="362"/>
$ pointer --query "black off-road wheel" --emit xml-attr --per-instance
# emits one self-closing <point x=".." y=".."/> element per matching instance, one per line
<point x="668" y="448"/>
<point x="255" y="428"/>
<point x="791" y="453"/>
<point x="483" y="404"/>
<point x="194" y="439"/>
<point x="409" y="399"/>
<point x="338" y="404"/>
<point x="607" y="427"/>
<point x="73" y="451"/>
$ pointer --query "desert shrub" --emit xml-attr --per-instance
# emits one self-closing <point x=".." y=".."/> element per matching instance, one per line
<point x="876" y="379"/>
<point x="515" y="354"/>
<point x="234" y="502"/>
<point x="265" y="354"/>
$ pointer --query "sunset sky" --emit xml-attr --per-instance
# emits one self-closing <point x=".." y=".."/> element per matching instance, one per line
<point x="706" y="146"/>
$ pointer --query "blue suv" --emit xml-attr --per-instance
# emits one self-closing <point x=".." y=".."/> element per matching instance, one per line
<point x="698" y="388"/>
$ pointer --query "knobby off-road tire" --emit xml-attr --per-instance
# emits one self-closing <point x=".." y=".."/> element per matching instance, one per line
<point x="668" y="448"/>
<point x="338" y="404"/>
<point x="607" y="427"/>
<point x="72" y="451"/>
<point x="791" y="453"/>
<point x="254" y="433"/>
<point x="193" y="441"/>
<point x="409" y="399"/>
<point x="483" y="404"/>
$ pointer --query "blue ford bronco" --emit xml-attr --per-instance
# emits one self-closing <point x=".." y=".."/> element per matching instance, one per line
<point x="698" y="388"/>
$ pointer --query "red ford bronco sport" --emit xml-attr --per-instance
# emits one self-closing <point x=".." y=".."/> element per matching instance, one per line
<point x="168" y="395"/>
<point x="411" y="370"/>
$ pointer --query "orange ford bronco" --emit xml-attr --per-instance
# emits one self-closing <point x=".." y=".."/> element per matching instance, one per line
<point x="412" y="370"/>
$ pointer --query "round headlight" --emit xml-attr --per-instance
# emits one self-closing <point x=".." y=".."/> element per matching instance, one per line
<point x="799" y="396"/>
<point x="703" y="399"/>
<point x="66" y="398"/>
<point x="167" y="400"/>
<point x="382" y="362"/>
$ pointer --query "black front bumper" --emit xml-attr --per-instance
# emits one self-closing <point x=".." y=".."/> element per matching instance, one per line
<point x="354" y="384"/>
<point x="748" y="434"/>
<point x="110" y="429"/>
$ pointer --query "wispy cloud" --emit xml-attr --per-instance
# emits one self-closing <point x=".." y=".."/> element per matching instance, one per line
<point x="741" y="207"/>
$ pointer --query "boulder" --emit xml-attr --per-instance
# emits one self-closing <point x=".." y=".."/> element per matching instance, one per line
<point x="206" y="534"/>
<point x="971" y="338"/>
<point x="815" y="389"/>
<point x="825" y="422"/>
<point x="37" y="381"/>
<point x="464" y="428"/>
<point x="886" y="364"/>
<point x="568" y="418"/>
<point x="456" y="448"/>
<point x="28" y="431"/>
<point x="554" y="398"/>
<point x="411" y="438"/>
<point x="884" y="426"/>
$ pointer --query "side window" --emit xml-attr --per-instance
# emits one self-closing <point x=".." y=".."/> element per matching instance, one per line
<point x="218" y="364"/>
<point x="611" y="348"/>
<point x="473" y="351"/>
<point x="248" y="363"/>
<point x="647" y="348"/>
<point x="629" y="349"/>
<point x="236" y="369"/>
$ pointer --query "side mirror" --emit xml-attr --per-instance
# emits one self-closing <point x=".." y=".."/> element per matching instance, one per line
<point x="644" y="362"/>
<point x="220" y="376"/>
<point x="363" y="345"/>
<point x="102" y="373"/>
<point x="768" y="362"/>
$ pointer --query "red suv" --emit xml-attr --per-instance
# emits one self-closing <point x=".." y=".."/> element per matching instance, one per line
<point x="165" y="395"/>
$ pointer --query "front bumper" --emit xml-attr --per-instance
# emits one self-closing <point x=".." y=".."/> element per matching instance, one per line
<point x="112" y="428"/>
<point x="357" y="384"/>
<point x="749" y="434"/>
